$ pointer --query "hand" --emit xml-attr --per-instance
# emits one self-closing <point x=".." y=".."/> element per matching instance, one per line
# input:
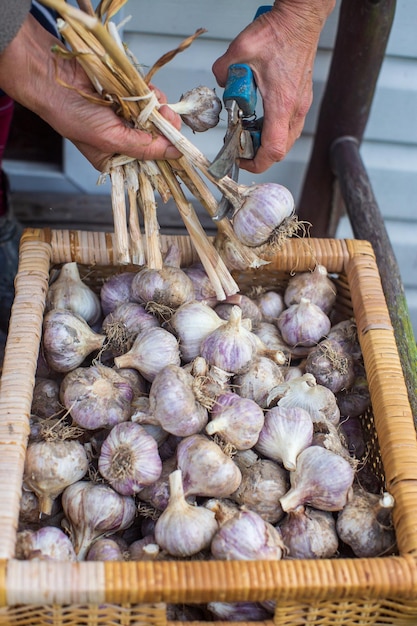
<point x="28" y="74"/>
<point x="280" y="46"/>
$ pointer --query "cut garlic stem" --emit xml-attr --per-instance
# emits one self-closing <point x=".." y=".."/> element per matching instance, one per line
<point x="138" y="252"/>
<point x="146" y="201"/>
<point x="118" y="201"/>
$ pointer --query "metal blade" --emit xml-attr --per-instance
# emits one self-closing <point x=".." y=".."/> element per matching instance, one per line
<point x="225" y="208"/>
<point x="227" y="156"/>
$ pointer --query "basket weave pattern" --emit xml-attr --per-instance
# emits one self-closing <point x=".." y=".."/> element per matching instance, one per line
<point x="345" y="591"/>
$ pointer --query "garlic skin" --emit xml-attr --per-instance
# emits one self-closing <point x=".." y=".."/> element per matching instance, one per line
<point x="303" y="324"/>
<point x="183" y="529"/>
<point x="168" y="287"/>
<point x="256" y="383"/>
<point x="96" y="396"/>
<point x="250" y="310"/>
<point x="129" y="458"/>
<point x="309" y="534"/>
<point x="116" y="290"/>
<point x="130" y="319"/>
<point x="203" y="288"/>
<point x="145" y="549"/>
<point x="231" y="346"/>
<point x="191" y="323"/>
<point x="67" y="340"/>
<point x="50" y="466"/>
<point x="239" y="611"/>
<point x="69" y="292"/>
<point x="105" y="549"/>
<point x="45" y="399"/>
<point x="271" y="305"/>
<point x="247" y="537"/>
<point x="264" y="209"/>
<point x="286" y="433"/>
<point x="47" y="544"/>
<point x="157" y="493"/>
<point x="93" y="511"/>
<point x="316" y="286"/>
<point x="152" y="350"/>
<point x="237" y="420"/>
<point x="173" y="404"/>
<point x="199" y="108"/>
<point x="206" y="470"/>
<point x="270" y="336"/>
<point x="263" y="483"/>
<point x="331" y="366"/>
<point x="321" y="479"/>
<point x="365" y="524"/>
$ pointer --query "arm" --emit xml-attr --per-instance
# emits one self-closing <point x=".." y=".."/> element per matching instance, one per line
<point x="280" y="46"/>
<point x="28" y="75"/>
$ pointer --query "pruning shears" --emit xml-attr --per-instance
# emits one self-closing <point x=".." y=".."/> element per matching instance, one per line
<point x="243" y="134"/>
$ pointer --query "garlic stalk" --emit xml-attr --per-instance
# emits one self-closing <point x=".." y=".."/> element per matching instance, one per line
<point x="93" y="511"/>
<point x="145" y="549"/>
<point x="68" y="340"/>
<point x="129" y="458"/>
<point x="48" y="543"/>
<point x="50" y="466"/>
<point x="199" y="108"/>
<point x="321" y="479"/>
<point x="247" y="537"/>
<point x="183" y="529"/>
<point x="69" y="292"/>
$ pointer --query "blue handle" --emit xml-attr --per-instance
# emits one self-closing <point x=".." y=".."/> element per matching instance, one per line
<point x="240" y="84"/>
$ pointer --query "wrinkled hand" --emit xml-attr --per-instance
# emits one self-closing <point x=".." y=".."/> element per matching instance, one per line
<point x="28" y="74"/>
<point x="280" y="47"/>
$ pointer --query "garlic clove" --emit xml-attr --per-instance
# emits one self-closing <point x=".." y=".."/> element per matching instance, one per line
<point x="321" y="479"/>
<point x="246" y="537"/>
<point x="207" y="471"/>
<point x="129" y="458"/>
<point x="69" y="292"/>
<point x="286" y="433"/>
<point x="183" y="529"/>
<point x="237" y="420"/>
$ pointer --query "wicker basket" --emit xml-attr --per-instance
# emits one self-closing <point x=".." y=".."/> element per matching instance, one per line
<point x="342" y="591"/>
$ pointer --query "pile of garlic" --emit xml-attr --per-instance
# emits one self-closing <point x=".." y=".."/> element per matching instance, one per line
<point x="166" y="424"/>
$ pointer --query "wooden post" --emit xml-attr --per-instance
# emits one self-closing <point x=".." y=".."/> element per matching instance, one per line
<point x="362" y="36"/>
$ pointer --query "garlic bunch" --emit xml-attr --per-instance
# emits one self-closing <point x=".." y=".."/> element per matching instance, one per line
<point x="152" y="350"/>
<point x="365" y="523"/>
<point x="321" y="479"/>
<point x="183" y="529"/>
<point x="303" y="324"/>
<point x="246" y="537"/>
<point x="93" y="511"/>
<point x="285" y="434"/>
<point x="309" y="534"/>
<point x="172" y="402"/>
<point x="68" y="340"/>
<point x="199" y="108"/>
<point x="96" y="396"/>
<point x="315" y="286"/>
<point x="69" y="292"/>
<point x="237" y="420"/>
<point x="129" y="458"/>
<point x="50" y="466"/>
<point x="48" y="543"/>
<point x="206" y="470"/>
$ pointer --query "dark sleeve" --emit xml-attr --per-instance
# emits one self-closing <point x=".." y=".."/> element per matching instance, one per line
<point x="13" y="14"/>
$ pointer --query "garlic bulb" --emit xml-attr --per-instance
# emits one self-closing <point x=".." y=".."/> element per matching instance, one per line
<point x="330" y="365"/>
<point x="230" y="347"/>
<point x="191" y="323"/>
<point x="48" y="543"/>
<point x="45" y="399"/>
<point x="209" y="381"/>
<point x="157" y="493"/>
<point x="152" y="350"/>
<point x="239" y="611"/>
<point x="286" y="433"/>
<point x="250" y="310"/>
<point x="263" y="483"/>
<point x="247" y="537"/>
<point x="237" y="420"/>
<point x="69" y="292"/>
<point x="126" y="321"/>
<point x="321" y="479"/>
<point x="351" y="428"/>
<point x="309" y="534"/>
<point x="223" y="508"/>
<point x="129" y="458"/>
<point x="173" y="404"/>
<point x="50" y="466"/>
<point x="199" y="108"/>
<point x="354" y="401"/>
<point x="271" y="305"/>
<point x="270" y="336"/>
<point x="316" y="286"/>
<point x="203" y="288"/>
<point x="105" y="549"/>
<point x="96" y="396"/>
<point x="183" y="529"/>
<point x="304" y="392"/>
<point x="264" y="209"/>
<point x="303" y="324"/>
<point x="206" y="470"/>
<point x="365" y="524"/>
<point x="68" y="339"/>
<point x="145" y="549"/>
<point x="93" y="511"/>
<point x="116" y="290"/>
<point x="345" y="333"/>
<point x="256" y="383"/>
